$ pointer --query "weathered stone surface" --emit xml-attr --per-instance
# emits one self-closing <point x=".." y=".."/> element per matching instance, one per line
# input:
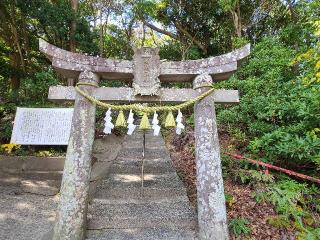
<point x="44" y="187"/>
<point x="210" y="192"/>
<point x="31" y="163"/>
<point x="146" y="62"/>
<point x="131" y="215"/>
<point x="105" y="150"/>
<point x="43" y="163"/>
<point x="136" y="161"/>
<point x="149" y="193"/>
<point x="185" y="71"/>
<point x="12" y="164"/>
<point x="135" y="168"/>
<point x="99" y="170"/>
<point x="159" y="233"/>
<point x="109" y="146"/>
<point x="212" y="65"/>
<point x="168" y="180"/>
<point x="166" y="95"/>
<point x="137" y="153"/>
<point x="26" y="216"/>
<point x="71" y="64"/>
<point x="42" y="126"/>
<point x="72" y="210"/>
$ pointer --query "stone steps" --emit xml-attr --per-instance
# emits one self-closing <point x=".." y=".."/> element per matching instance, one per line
<point x="142" y="198"/>
<point x="137" y="153"/>
<point x="135" y="193"/>
<point x="158" y="233"/>
<point x="122" y="209"/>
<point x="37" y="182"/>
<point x="141" y="214"/>
<point x="169" y="180"/>
<point x="132" y="142"/>
<point x="135" y="168"/>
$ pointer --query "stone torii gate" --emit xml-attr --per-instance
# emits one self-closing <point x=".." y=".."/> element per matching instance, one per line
<point x="146" y="72"/>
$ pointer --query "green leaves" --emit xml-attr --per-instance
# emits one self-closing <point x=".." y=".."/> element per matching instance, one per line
<point x="277" y="113"/>
<point x="239" y="226"/>
<point x="228" y="5"/>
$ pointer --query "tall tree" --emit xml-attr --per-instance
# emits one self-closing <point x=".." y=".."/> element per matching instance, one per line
<point x="73" y="25"/>
<point x="233" y="7"/>
<point x="11" y="31"/>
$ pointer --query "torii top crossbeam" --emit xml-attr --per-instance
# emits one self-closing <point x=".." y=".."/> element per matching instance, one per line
<point x="70" y="64"/>
<point x="146" y="72"/>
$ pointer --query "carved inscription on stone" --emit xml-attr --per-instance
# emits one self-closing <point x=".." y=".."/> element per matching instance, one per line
<point x="146" y="71"/>
<point x="42" y="126"/>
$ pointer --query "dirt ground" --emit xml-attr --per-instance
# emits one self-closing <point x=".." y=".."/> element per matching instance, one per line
<point x="243" y="204"/>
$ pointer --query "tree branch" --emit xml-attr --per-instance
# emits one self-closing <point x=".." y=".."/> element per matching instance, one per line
<point x="195" y="41"/>
<point x="165" y="32"/>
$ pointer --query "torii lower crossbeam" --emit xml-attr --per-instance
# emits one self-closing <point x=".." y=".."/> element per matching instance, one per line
<point x="126" y="95"/>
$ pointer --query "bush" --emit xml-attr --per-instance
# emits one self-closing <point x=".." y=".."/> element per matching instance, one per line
<point x="32" y="93"/>
<point x="297" y="205"/>
<point x="278" y="111"/>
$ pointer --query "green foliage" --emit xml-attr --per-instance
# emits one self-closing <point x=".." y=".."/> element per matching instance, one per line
<point x="190" y="120"/>
<point x="277" y="112"/>
<point x="280" y="221"/>
<point x="32" y="93"/>
<point x="228" y="5"/>
<point x="117" y="44"/>
<point x="244" y="173"/>
<point x="303" y="149"/>
<point x="312" y="234"/>
<point x="230" y="200"/>
<point x="171" y="51"/>
<point x="295" y="203"/>
<point x="238" y="42"/>
<point x="239" y="226"/>
<point x="252" y="176"/>
<point x="34" y="90"/>
<point x="6" y="130"/>
<point x="286" y="196"/>
<point x="52" y="21"/>
<point x="228" y="197"/>
<point x="5" y="68"/>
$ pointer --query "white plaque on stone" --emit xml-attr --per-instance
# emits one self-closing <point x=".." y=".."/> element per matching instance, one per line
<point x="42" y="126"/>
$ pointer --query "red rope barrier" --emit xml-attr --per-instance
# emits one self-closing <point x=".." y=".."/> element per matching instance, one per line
<point x="270" y="166"/>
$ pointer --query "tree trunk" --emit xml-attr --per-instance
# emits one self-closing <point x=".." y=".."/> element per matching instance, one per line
<point x="73" y="26"/>
<point x="15" y="76"/>
<point x="16" y="39"/>
<point x="236" y="23"/>
<point x="236" y="18"/>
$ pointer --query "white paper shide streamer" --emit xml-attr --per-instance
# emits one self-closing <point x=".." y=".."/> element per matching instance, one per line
<point x="131" y="126"/>
<point x="180" y="125"/>
<point x="108" y="125"/>
<point x="155" y="124"/>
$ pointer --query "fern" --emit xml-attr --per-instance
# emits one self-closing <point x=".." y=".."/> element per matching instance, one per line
<point x="239" y="226"/>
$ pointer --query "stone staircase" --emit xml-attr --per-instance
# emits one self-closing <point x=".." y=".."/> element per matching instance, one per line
<point x="122" y="210"/>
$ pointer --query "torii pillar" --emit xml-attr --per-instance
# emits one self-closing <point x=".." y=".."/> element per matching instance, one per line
<point x="72" y="212"/>
<point x="212" y="218"/>
<point x="146" y="72"/>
